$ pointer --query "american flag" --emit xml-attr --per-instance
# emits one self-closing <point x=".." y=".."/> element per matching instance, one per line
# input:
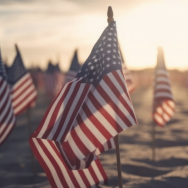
<point x="163" y="105"/>
<point x="7" y="118"/>
<point x="54" y="80"/>
<point x="88" y="113"/>
<point x="74" y="68"/>
<point x="128" y="76"/>
<point x="23" y="91"/>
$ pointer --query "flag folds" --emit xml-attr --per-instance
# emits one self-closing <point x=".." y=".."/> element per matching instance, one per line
<point x="7" y="118"/>
<point x="163" y="102"/>
<point x="88" y="112"/>
<point x="23" y="91"/>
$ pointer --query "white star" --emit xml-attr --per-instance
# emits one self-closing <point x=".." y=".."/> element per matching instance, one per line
<point x="111" y="28"/>
<point x="108" y="51"/>
<point x="100" y="45"/>
<point x="109" y="33"/>
<point x="101" y="49"/>
<point x="94" y="73"/>
<point x="103" y="55"/>
<point x="108" y="59"/>
<point x="92" y="67"/>
<point x="97" y="51"/>
<point x="79" y="71"/>
<point x="109" y="39"/>
<point x="97" y="77"/>
<point x="103" y="38"/>
<point x="108" y="45"/>
<point x="114" y="50"/>
<point x="103" y="61"/>
<point x="115" y="40"/>
<point x="107" y="65"/>
<point x="114" y="63"/>
<point x="104" y="43"/>
<point x="86" y="69"/>
<point x="114" y="44"/>
<point x="114" y="24"/>
<point x="89" y="63"/>
<point x="114" y="56"/>
<point x="95" y="60"/>
<point x="91" y="79"/>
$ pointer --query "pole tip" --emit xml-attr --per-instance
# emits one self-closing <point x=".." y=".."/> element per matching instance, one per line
<point x="16" y="46"/>
<point x="110" y="15"/>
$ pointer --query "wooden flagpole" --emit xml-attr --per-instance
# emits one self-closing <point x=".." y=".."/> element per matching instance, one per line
<point x="153" y="139"/>
<point x="30" y="132"/>
<point x="116" y="139"/>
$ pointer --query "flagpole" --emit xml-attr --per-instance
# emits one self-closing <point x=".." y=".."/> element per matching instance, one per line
<point x="116" y="138"/>
<point x="30" y="132"/>
<point x="153" y="139"/>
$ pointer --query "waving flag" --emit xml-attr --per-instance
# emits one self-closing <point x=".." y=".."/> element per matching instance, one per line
<point x="23" y="91"/>
<point x="88" y="112"/>
<point x="74" y="68"/>
<point x="128" y="76"/>
<point x="7" y="118"/>
<point x="163" y="105"/>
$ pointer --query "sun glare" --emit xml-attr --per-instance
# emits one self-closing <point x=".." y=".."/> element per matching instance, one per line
<point x="162" y="23"/>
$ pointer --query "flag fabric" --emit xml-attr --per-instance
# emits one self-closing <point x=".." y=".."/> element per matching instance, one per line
<point x="74" y="68"/>
<point x="23" y="91"/>
<point x="163" y="105"/>
<point x="128" y="76"/>
<point x="54" y="80"/>
<point x="7" y="117"/>
<point x="88" y="113"/>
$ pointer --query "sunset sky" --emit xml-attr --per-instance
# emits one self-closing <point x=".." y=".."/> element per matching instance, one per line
<point x="52" y="29"/>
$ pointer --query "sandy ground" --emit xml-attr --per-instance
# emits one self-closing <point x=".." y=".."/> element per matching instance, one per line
<point x="170" y="170"/>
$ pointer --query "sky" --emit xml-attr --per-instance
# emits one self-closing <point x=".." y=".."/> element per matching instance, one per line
<point x="52" y="29"/>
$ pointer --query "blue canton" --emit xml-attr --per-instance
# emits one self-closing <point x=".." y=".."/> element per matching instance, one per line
<point x="17" y="70"/>
<point x="2" y="69"/>
<point x="104" y="58"/>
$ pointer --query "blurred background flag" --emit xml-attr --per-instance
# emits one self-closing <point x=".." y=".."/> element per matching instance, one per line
<point x="23" y="91"/>
<point x="7" y="118"/>
<point x="127" y="74"/>
<point x="54" y="80"/>
<point x="163" y="102"/>
<point x="88" y="112"/>
<point x="74" y="68"/>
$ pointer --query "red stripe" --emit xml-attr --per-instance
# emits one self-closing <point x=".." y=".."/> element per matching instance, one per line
<point x="54" y="163"/>
<point x="105" y="178"/>
<point x="55" y="113"/>
<point x="42" y="162"/>
<point x="93" y="174"/>
<point x="78" y="105"/>
<point x="119" y="96"/>
<point x="89" y="134"/>
<point x="70" y="172"/>
<point x="84" y="178"/>
<point x="96" y="122"/>
<point x="104" y="113"/>
<point x="162" y="83"/>
<point x="6" y="100"/>
<point x="20" y="83"/>
<point x="66" y="109"/>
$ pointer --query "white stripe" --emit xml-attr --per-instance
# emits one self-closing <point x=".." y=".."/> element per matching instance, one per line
<point x="3" y="86"/>
<point x="21" y="96"/>
<point x="61" y="165"/>
<point x="25" y="102"/>
<point x="84" y="138"/>
<point x="162" y="79"/>
<point x="162" y="71"/>
<point x="108" y="108"/>
<point x="6" y="106"/>
<point x="22" y="79"/>
<point x="73" y="106"/>
<point x="89" y="176"/>
<point x="162" y="86"/>
<point x="78" y="178"/>
<point x="159" y="119"/>
<point x="163" y="94"/>
<point x="97" y="173"/>
<point x="22" y="86"/>
<point x="167" y="109"/>
<point x="103" y="121"/>
<point x="48" y="163"/>
<point x="47" y="120"/>
<point x="117" y="102"/>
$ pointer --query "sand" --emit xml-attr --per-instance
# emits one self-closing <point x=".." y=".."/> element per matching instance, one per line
<point x="170" y="170"/>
